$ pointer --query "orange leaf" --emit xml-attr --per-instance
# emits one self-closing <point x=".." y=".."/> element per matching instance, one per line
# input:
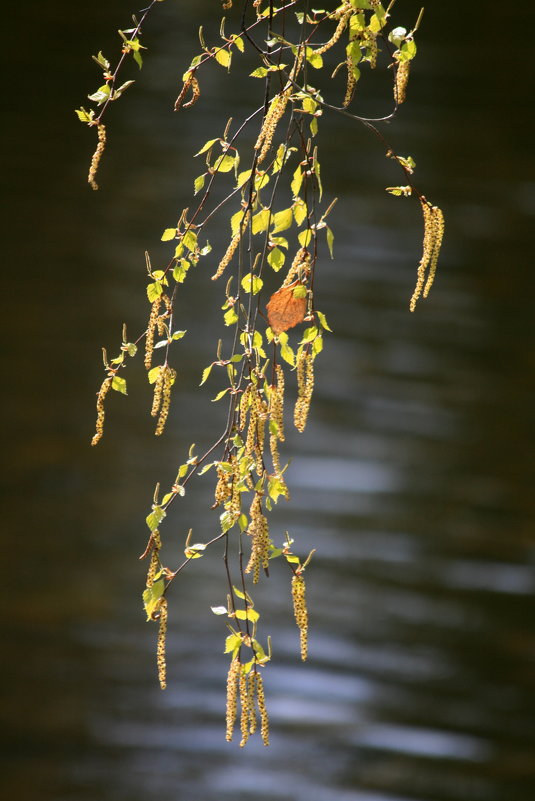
<point x="284" y="309"/>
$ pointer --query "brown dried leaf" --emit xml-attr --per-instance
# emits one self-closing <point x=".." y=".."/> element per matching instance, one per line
<point x="285" y="310"/>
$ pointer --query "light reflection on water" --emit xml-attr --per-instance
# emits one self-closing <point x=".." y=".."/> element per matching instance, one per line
<point x="411" y="481"/>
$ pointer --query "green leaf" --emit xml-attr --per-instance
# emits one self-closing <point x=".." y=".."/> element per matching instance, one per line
<point x="233" y="643"/>
<point x="224" y="163"/>
<point x="205" y="373"/>
<point x="249" y="614"/>
<point x="276" y="259"/>
<point x="300" y="291"/>
<point x="220" y="395"/>
<point x="168" y="234"/>
<point x="207" y="145"/>
<point x="252" y="283"/>
<point x="243" y="177"/>
<point x="314" y="59"/>
<point x="305" y="237"/>
<point x="119" y="384"/>
<point x="323" y="321"/>
<point x="287" y="354"/>
<point x="242" y="522"/>
<point x="317" y="345"/>
<point x="152" y="597"/>
<point x="131" y="349"/>
<point x="260" y="221"/>
<point x="299" y="211"/>
<point x="259" y="72"/>
<point x="309" y="334"/>
<point x="223" y="57"/>
<point x="83" y="115"/>
<point x="156" y="516"/>
<point x="194" y="551"/>
<point x="190" y="240"/>
<point x="154" y="291"/>
<point x="399" y="190"/>
<point x="178" y="335"/>
<point x="330" y="240"/>
<point x="282" y="220"/>
<point x="198" y="184"/>
<point x="297" y="180"/>
<point x="238" y="41"/>
<point x="230" y="317"/>
<point x="153" y="374"/>
<point x="101" y="95"/>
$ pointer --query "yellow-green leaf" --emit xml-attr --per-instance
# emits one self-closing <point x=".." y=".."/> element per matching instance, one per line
<point x="119" y="384"/>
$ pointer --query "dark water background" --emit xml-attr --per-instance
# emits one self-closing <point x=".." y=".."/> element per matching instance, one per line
<point x="413" y="480"/>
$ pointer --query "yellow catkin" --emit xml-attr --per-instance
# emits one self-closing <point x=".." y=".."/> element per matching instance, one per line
<point x="259" y="532"/>
<point x="438" y="227"/>
<point x="261" y="417"/>
<point x="250" y="701"/>
<point x="402" y="79"/>
<point x="261" y="701"/>
<point x="245" y="710"/>
<point x="160" y="650"/>
<point x="371" y="42"/>
<point x="244" y="406"/>
<point x="168" y="380"/>
<point x="223" y="489"/>
<point x="271" y="120"/>
<point x="250" y="441"/>
<point x="299" y="268"/>
<point x="103" y="391"/>
<point x="158" y="392"/>
<point x="276" y="402"/>
<point x="231" y="250"/>
<point x="305" y="388"/>
<point x="97" y="155"/>
<point x="234" y="504"/>
<point x="300" y="612"/>
<point x="190" y="84"/>
<point x="151" y="328"/>
<point x="351" y="84"/>
<point x="432" y="241"/>
<point x="275" y="456"/>
<point x="346" y="12"/>
<point x="232" y="696"/>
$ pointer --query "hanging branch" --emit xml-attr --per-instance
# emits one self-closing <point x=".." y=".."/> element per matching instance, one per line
<point x="265" y="236"/>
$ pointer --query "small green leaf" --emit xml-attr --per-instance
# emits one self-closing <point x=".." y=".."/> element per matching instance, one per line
<point x="207" y="145"/>
<point x="131" y="349"/>
<point x="178" y="334"/>
<point x="194" y="551"/>
<point x="152" y="597"/>
<point x="300" y="291"/>
<point x="230" y="317"/>
<point x="224" y="163"/>
<point x="238" y="41"/>
<point x="153" y="374"/>
<point x="249" y="614"/>
<point x="168" y="234"/>
<point x="287" y="354"/>
<point x="260" y="221"/>
<point x="220" y="395"/>
<point x="205" y="373"/>
<point x="276" y="259"/>
<point x="154" y="291"/>
<point x="83" y="115"/>
<point x="119" y="384"/>
<point x="330" y="240"/>
<point x="233" y="643"/>
<point x="252" y="283"/>
<point x="297" y="180"/>
<point x="156" y="516"/>
<point x="223" y="57"/>
<point x="305" y="237"/>
<point x="282" y="220"/>
<point x="259" y="72"/>
<point x="323" y="321"/>
<point x="198" y="184"/>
